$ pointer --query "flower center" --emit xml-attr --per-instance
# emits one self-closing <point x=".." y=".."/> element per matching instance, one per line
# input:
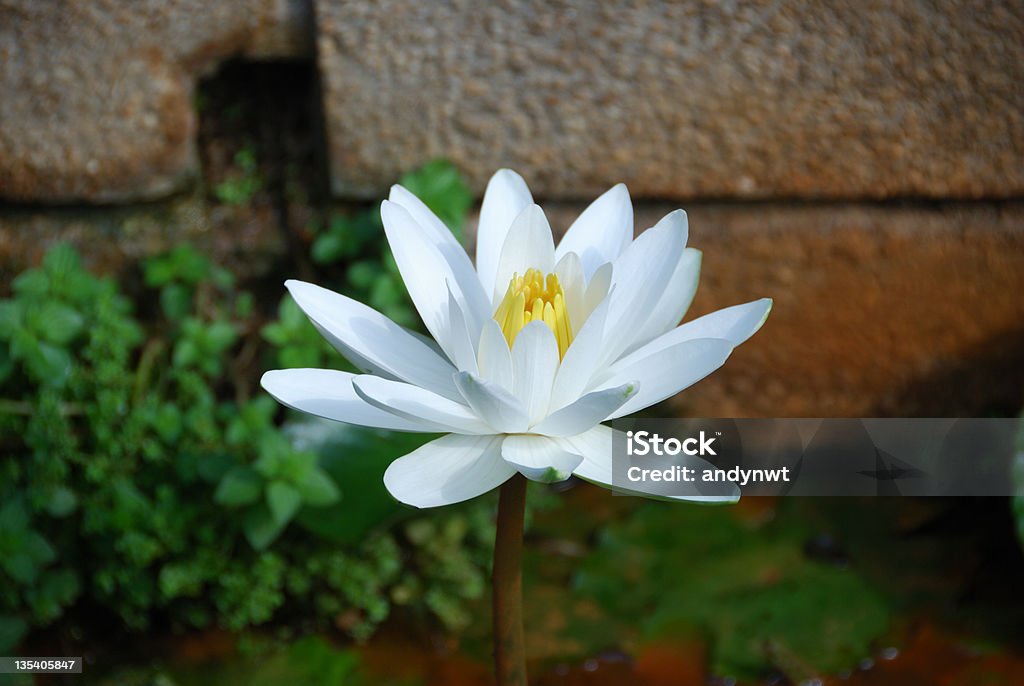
<point x="534" y="297"/>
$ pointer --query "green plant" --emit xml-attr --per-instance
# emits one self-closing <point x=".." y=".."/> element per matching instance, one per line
<point x="244" y="182"/>
<point x="145" y="474"/>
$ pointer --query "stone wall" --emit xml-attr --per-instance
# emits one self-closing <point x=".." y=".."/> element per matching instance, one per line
<point x="859" y="162"/>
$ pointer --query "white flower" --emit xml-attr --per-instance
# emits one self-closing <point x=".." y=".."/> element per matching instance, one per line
<point x="531" y="350"/>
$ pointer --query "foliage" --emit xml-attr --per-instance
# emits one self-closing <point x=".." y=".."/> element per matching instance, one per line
<point x="146" y="474"/>
<point x="244" y="182"/>
<point x="761" y="601"/>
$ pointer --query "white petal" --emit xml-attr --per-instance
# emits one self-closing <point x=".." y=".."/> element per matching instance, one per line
<point x="492" y="403"/>
<point x="602" y="231"/>
<point x="474" y="299"/>
<point x="328" y="393"/>
<point x="674" y="301"/>
<point x="587" y="412"/>
<point x="570" y="275"/>
<point x="419" y="405"/>
<point x="735" y="324"/>
<point x="534" y="363"/>
<point x="528" y="245"/>
<point x="426" y="274"/>
<point x="494" y="359"/>
<point x="665" y="372"/>
<point x="506" y="196"/>
<point x="448" y="470"/>
<point x="596" y="447"/>
<point x="580" y="362"/>
<point x="639" y="277"/>
<point x="598" y="289"/>
<point x="373" y="342"/>
<point x="539" y="458"/>
<point x="463" y="352"/>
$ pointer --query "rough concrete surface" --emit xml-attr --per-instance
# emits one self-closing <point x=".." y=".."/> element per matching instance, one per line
<point x="871" y="99"/>
<point x="879" y="311"/>
<point x="96" y="95"/>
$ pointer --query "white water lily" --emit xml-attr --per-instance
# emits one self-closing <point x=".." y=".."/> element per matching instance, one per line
<point x="532" y="349"/>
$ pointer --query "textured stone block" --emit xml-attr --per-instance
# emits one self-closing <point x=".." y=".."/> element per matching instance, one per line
<point x="96" y="95"/>
<point x="690" y="99"/>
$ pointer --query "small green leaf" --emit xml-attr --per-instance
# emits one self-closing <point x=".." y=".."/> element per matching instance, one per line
<point x="12" y="629"/>
<point x="47" y="364"/>
<point x="328" y="248"/>
<point x="317" y="489"/>
<point x="13" y="517"/>
<point x="176" y="301"/>
<point x="58" y="323"/>
<point x="20" y="566"/>
<point x="186" y="353"/>
<point x="260" y="527"/>
<point x="240" y="486"/>
<point x="38" y="548"/>
<point x="283" y="500"/>
<point x="10" y="318"/>
<point x="34" y="282"/>
<point x="62" y="259"/>
<point x="220" y="335"/>
<point x="168" y="422"/>
<point x="62" y="502"/>
<point x="440" y="186"/>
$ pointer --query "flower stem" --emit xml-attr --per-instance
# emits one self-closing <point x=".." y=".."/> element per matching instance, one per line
<point x="509" y="651"/>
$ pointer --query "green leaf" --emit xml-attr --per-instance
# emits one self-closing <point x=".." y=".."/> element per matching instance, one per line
<point x="34" y="282"/>
<point x="260" y="527"/>
<point x="240" y="486"/>
<point x="362" y="274"/>
<point x="245" y="304"/>
<point x="58" y="323"/>
<point x="183" y="264"/>
<point x="167" y="421"/>
<point x="328" y="248"/>
<point x="20" y="566"/>
<point x="10" y="318"/>
<point x="176" y="301"/>
<point x="212" y="468"/>
<point x="440" y="186"/>
<point x="62" y="501"/>
<point x="13" y="516"/>
<point x="12" y="629"/>
<point x="317" y="489"/>
<point x="284" y="501"/>
<point x="62" y="259"/>
<point x="355" y="457"/>
<point x="220" y="335"/>
<point x="186" y="353"/>
<point x="45" y="363"/>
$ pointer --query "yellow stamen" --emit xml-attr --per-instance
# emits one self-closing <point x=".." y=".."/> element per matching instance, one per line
<point x="534" y="297"/>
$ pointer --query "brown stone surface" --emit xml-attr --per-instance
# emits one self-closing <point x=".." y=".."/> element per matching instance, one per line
<point x="871" y="99"/>
<point x="246" y="240"/>
<point x="96" y="95"/>
<point x="879" y="310"/>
